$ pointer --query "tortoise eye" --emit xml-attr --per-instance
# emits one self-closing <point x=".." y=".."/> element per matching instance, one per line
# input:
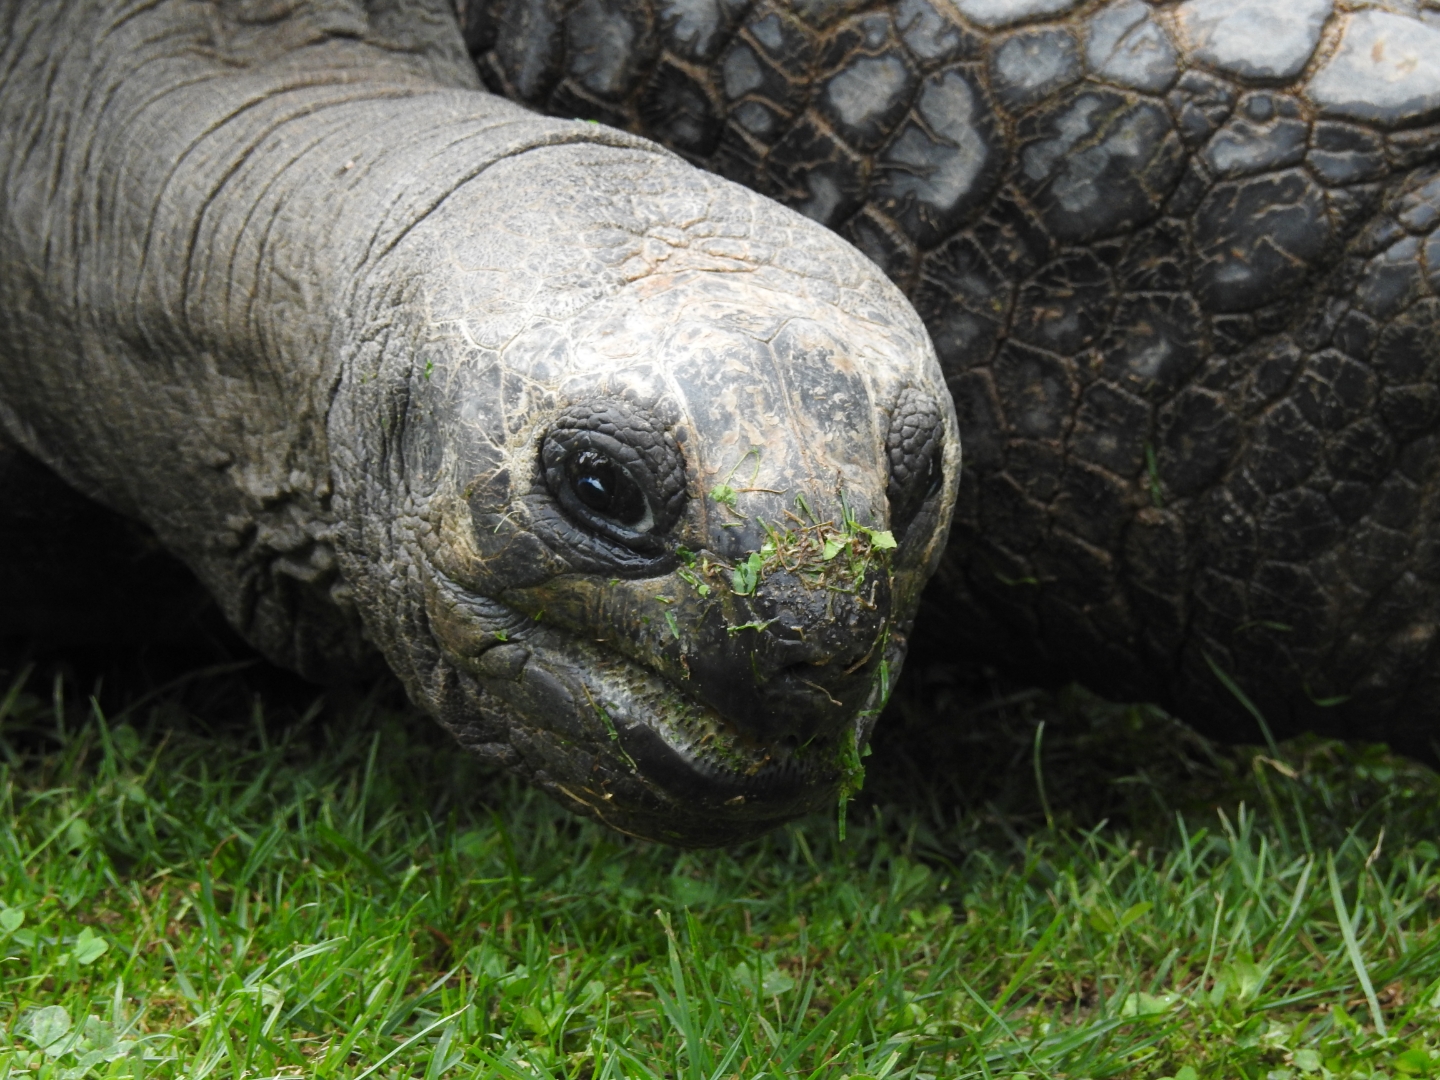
<point x="606" y="487"/>
<point x="615" y="481"/>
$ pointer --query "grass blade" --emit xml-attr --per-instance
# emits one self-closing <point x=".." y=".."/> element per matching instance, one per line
<point x="1352" y="947"/>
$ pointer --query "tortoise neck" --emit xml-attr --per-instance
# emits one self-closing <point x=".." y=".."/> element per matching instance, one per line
<point x="188" y="203"/>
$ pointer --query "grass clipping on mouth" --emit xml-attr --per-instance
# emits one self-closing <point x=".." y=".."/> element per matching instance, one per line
<point x="823" y="555"/>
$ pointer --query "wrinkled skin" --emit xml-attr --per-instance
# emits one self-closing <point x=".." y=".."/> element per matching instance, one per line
<point x="395" y="366"/>
<point x="1179" y="262"/>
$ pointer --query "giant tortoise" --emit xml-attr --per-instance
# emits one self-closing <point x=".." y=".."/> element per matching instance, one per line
<point x="1180" y="265"/>
<point x="632" y="476"/>
<point x="1172" y="256"/>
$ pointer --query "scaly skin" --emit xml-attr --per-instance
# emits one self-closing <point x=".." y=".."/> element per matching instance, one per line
<point x="357" y="341"/>
<point x="1179" y="264"/>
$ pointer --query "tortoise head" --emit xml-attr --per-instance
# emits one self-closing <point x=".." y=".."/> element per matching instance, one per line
<point x="666" y="469"/>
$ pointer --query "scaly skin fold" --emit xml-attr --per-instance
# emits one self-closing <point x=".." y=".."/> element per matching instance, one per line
<point x="346" y="334"/>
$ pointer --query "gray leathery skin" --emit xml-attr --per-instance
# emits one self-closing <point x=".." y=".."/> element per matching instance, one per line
<point x="1179" y="263"/>
<point x="349" y="335"/>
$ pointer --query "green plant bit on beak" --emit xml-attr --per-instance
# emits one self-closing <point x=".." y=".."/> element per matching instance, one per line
<point x="610" y="727"/>
<point x="724" y="493"/>
<point x="690" y="578"/>
<point x="852" y="774"/>
<point x="746" y="576"/>
<point x="814" y="553"/>
<point x="756" y="626"/>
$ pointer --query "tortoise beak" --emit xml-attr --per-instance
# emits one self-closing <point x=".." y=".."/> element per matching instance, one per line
<point x="801" y="664"/>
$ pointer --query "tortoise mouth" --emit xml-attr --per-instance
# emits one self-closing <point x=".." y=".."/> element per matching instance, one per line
<point x="774" y="776"/>
<point x="677" y="769"/>
<point x="613" y="738"/>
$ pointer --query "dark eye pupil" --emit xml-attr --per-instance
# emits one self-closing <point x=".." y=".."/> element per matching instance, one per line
<point x="594" y="481"/>
<point x="606" y="488"/>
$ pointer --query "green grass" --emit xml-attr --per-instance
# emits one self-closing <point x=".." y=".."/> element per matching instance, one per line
<point x="221" y="884"/>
